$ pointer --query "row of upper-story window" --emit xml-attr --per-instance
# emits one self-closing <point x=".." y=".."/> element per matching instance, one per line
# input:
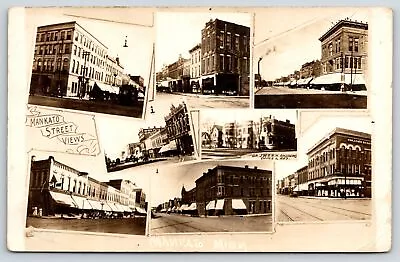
<point x="232" y="191"/>
<point x="343" y="152"/>
<point x="87" y="71"/>
<point x="225" y="63"/>
<point x="88" y="56"/>
<point x="226" y="41"/>
<point x="349" y="62"/>
<point x="79" y="38"/>
<point x="335" y="47"/>
<point x="49" y="65"/>
<point x="196" y="57"/>
<point x="353" y="169"/>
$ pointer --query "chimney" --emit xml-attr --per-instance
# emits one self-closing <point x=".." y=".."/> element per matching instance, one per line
<point x="246" y="166"/>
<point x="33" y="158"/>
<point x="255" y="167"/>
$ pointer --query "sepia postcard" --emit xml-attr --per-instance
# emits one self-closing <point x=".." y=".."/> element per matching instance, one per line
<point x="203" y="129"/>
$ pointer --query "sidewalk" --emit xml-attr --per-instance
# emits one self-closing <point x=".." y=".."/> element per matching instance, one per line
<point x="209" y="96"/>
<point x="335" y="198"/>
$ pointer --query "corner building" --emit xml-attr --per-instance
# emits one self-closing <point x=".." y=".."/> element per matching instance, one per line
<point x="228" y="190"/>
<point x="340" y="165"/>
<point x="225" y="58"/>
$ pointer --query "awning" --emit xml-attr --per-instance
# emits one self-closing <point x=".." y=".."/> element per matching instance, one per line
<point x="126" y="208"/>
<point x="141" y="210"/>
<point x="168" y="147"/>
<point x="80" y="202"/>
<point x="163" y="210"/>
<point x="192" y="206"/>
<point x="210" y="205"/>
<point x="184" y="207"/>
<point x="107" y="88"/>
<point x="336" y="78"/>
<point x="238" y="204"/>
<point x="107" y="207"/>
<point x="304" y="81"/>
<point x="300" y="187"/>
<point x="62" y="199"/>
<point x="95" y="204"/>
<point x="118" y="207"/>
<point x="220" y="204"/>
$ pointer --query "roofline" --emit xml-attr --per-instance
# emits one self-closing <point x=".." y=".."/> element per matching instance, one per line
<point x="339" y="130"/>
<point x="74" y="22"/>
<point x="342" y="23"/>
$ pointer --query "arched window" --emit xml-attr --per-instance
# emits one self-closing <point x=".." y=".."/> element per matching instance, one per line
<point x="39" y="64"/>
<point x="77" y="67"/>
<point x="73" y="66"/>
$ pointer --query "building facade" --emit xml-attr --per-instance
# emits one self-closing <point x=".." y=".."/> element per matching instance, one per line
<point x="277" y="134"/>
<point x="339" y="165"/>
<point x="56" y="188"/>
<point x="178" y="128"/>
<point x="225" y="58"/>
<point x="227" y="190"/>
<point x="70" y="62"/>
<point x="195" y="68"/>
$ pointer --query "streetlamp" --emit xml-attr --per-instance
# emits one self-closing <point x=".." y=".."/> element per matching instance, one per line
<point x="85" y="55"/>
<point x="126" y="41"/>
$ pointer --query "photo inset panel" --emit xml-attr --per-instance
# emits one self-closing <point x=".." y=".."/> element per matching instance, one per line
<point x="332" y="178"/>
<point x="83" y="62"/>
<point x="247" y="132"/>
<point x="204" y="57"/>
<point x="165" y="137"/>
<point x="316" y="59"/>
<point x="212" y="196"/>
<point x="74" y="193"/>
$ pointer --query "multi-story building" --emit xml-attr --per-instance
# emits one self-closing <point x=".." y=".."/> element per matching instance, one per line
<point x="68" y="60"/>
<point x="216" y="136"/>
<point x="247" y="135"/>
<point x="340" y="164"/>
<point x="178" y="127"/>
<point x="225" y="54"/>
<point x="229" y="133"/>
<point x="276" y="134"/>
<point x="195" y="68"/>
<point x="188" y="197"/>
<point x="113" y="72"/>
<point x="234" y="190"/>
<point x="56" y="188"/>
<point x="344" y="54"/>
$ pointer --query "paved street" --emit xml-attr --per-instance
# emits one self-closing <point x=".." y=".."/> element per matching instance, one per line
<point x="175" y="223"/>
<point x="317" y="209"/>
<point x="205" y="101"/>
<point x="284" y="97"/>
<point x="86" y="105"/>
<point x="133" y="226"/>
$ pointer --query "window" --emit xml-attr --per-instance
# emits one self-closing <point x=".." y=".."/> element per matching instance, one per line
<point x="237" y="43"/>
<point x="338" y="45"/>
<point x="229" y="63"/>
<point x="228" y="41"/>
<point x="221" y="62"/>
<point x="356" y="44"/>
<point x="69" y="35"/>
<point x="330" y="49"/>
<point x="221" y="39"/>
<point x="245" y="42"/>
<point x="350" y="43"/>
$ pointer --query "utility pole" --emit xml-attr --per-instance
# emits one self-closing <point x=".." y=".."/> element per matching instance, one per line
<point x="342" y="79"/>
<point x="82" y="92"/>
<point x="61" y="60"/>
<point x="258" y="72"/>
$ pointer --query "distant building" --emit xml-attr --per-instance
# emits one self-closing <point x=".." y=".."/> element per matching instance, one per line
<point x="267" y="133"/>
<point x="195" y="68"/>
<point x="225" y="54"/>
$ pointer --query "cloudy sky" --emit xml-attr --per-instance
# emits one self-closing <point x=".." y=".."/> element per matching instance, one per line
<point x="109" y="26"/>
<point x="168" y="182"/>
<point x="285" y="47"/>
<point x="178" y="32"/>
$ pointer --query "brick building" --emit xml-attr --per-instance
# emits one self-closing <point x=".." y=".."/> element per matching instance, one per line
<point x="225" y="54"/>
<point x="178" y="128"/>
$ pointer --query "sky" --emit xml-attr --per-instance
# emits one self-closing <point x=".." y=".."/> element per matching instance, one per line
<point x="120" y="22"/>
<point x="285" y="47"/>
<point x="314" y="126"/>
<point x="178" y="32"/>
<point x="221" y="116"/>
<point x="168" y="182"/>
